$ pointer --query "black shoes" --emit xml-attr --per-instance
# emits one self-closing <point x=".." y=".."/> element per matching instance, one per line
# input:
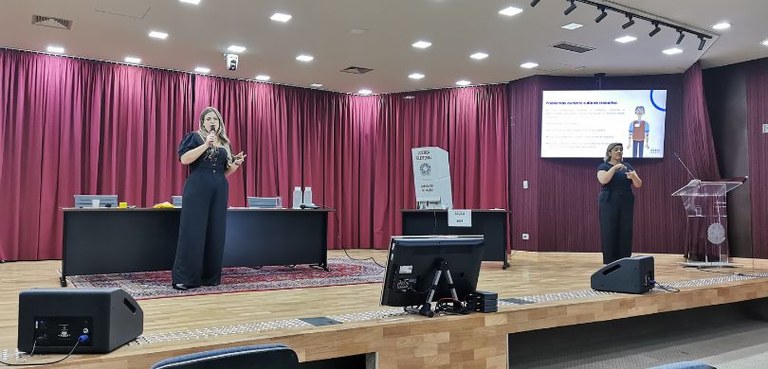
<point x="181" y="286"/>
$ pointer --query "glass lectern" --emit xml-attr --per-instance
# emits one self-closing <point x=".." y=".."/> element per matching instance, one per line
<point x="707" y="224"/>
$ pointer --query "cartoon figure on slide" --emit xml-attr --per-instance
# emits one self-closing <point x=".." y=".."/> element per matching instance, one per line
<point x="639" y="132"/>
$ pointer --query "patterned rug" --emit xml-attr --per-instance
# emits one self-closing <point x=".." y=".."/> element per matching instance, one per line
<point x="149" y="285"/>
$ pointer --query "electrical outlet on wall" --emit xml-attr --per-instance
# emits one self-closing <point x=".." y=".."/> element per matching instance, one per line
<point x="526" y="236"/>
<point x="765" y="127"/>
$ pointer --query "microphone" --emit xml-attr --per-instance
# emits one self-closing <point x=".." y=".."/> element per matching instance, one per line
<point x="685" y="166"/>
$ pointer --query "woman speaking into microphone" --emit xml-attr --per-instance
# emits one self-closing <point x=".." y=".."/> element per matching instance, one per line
<point x="202" y="229"/>
<point x="616" y="203"/>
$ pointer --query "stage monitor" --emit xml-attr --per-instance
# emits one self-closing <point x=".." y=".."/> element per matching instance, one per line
<point x="413" y="261"/>
<point x="581" y="124"/>
<point x="176" y="201"/>
<point x="96" y="201"/>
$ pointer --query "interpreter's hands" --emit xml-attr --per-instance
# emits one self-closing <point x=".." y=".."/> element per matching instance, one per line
<point x="239" y="158"/>
<point x="619" y="166"/>
<point x="631" y="174"/>
<point x="210" y="139"/>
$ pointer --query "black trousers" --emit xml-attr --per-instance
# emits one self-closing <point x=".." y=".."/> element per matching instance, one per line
<point x="202" y="229"/>
<point x="616" y="214"/>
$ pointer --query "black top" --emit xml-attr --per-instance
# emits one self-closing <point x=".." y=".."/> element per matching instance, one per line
<point x="619" y="182"/>
<point x="212" y="159"/>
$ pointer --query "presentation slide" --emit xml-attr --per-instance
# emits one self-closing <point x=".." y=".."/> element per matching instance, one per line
<point x="581" y="124"/>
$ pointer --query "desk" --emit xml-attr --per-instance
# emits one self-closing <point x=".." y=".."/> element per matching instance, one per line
<point x="113" y="240"/>
<point x="492" y="224"/>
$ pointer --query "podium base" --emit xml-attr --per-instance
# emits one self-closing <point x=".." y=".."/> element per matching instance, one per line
<point x="710" y="264"/>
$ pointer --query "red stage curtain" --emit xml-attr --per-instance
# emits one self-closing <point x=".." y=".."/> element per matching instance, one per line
<point x="82" y="127"/>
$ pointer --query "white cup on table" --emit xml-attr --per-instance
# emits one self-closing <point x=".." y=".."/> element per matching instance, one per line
<point x="95" y="203"/>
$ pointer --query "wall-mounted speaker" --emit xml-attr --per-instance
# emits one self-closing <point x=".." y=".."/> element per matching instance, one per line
<point x="99" y="320"/>
<point x="627" y="275"/>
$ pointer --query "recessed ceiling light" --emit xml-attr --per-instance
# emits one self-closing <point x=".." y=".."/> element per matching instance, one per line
<point x="409" y="97"/>
<point x="510" y="11"/>
<point x="421" y="44"/>
<point x="281" y="17"/>
<point x="236" y="48"/>
<point x="193" y="2"/>
<point x="262" y="77"/>
<point x="415" y="76"/>
<point x="132" y="59"/>
<point x="463" y="82"/>
<point x="673" y="51"/>
<point x="305" y="58"/>
<point x="55" y="49"/>
<point x="625" y="39"/>
<point x="203" y="70"/>
<point x="158" y="34"/>
<point x="316" y="85"/>
<point x="721" y="26"/>
<point x="365" y="92"/>
<point x="764" y="43"/>
<point x="571" y="26"/>
<point x="529" y="65"/>
<point x="479" y="56"/>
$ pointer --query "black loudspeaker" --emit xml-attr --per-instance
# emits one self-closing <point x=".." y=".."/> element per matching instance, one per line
<point x="627" y="275"/>
<point x="99" y="320"/>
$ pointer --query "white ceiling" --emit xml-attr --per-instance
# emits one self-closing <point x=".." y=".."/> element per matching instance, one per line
<point x="199" y="35"/>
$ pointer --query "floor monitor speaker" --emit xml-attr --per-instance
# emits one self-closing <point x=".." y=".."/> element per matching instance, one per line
<point x="627" y="275"/>
<point x="99" y="320"/>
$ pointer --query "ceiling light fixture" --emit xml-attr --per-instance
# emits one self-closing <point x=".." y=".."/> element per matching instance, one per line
<point x="604" y="7"/>
<point x="203" y="70"/>
<point x="510" y="11"/>
<point x="571" y="8"/>
<point x="479" y="56"/>
<point x="421" y="44"/>
<point x="281" y="17"/>
<point x="55" y="49"/>
<point x="656" y="29"/>
<point x="236" y="48"/>
<point x="601" y="16"/>
<point x="702" y="41"/>
<point x="158" y="34"/>
<point x="305" y="58"/>
<point x="534" y="3"/>
<point x="680" y="38"/>
<point x="630" y="22"/>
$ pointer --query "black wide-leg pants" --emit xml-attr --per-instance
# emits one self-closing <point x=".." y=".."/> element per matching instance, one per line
<point x="616" y="212"/>
<point x="202" y="229"/>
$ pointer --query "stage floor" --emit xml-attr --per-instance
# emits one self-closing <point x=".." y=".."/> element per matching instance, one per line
<point x="539" y="290"/>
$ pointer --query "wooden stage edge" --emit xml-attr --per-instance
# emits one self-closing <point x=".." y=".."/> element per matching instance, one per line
<point x="556" y="284"/>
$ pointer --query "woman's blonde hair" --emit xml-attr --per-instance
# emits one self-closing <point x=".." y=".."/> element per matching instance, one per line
<point x="221" y="131"/>
<point x="608" y="150"/>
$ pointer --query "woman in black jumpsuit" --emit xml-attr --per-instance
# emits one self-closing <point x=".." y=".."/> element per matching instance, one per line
<point x="200" y="250"/>
<point x="616" y="204"/>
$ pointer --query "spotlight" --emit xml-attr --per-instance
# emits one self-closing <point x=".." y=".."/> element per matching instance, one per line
<point x="656" y="30"/>
<point x="629" y="23"/>
<point x="534" y="3"/>
<point x="602" y="15"/>
<point x="702" y="41"/>
<point x="570" y="8"/>
<point x="680" y="38"/>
